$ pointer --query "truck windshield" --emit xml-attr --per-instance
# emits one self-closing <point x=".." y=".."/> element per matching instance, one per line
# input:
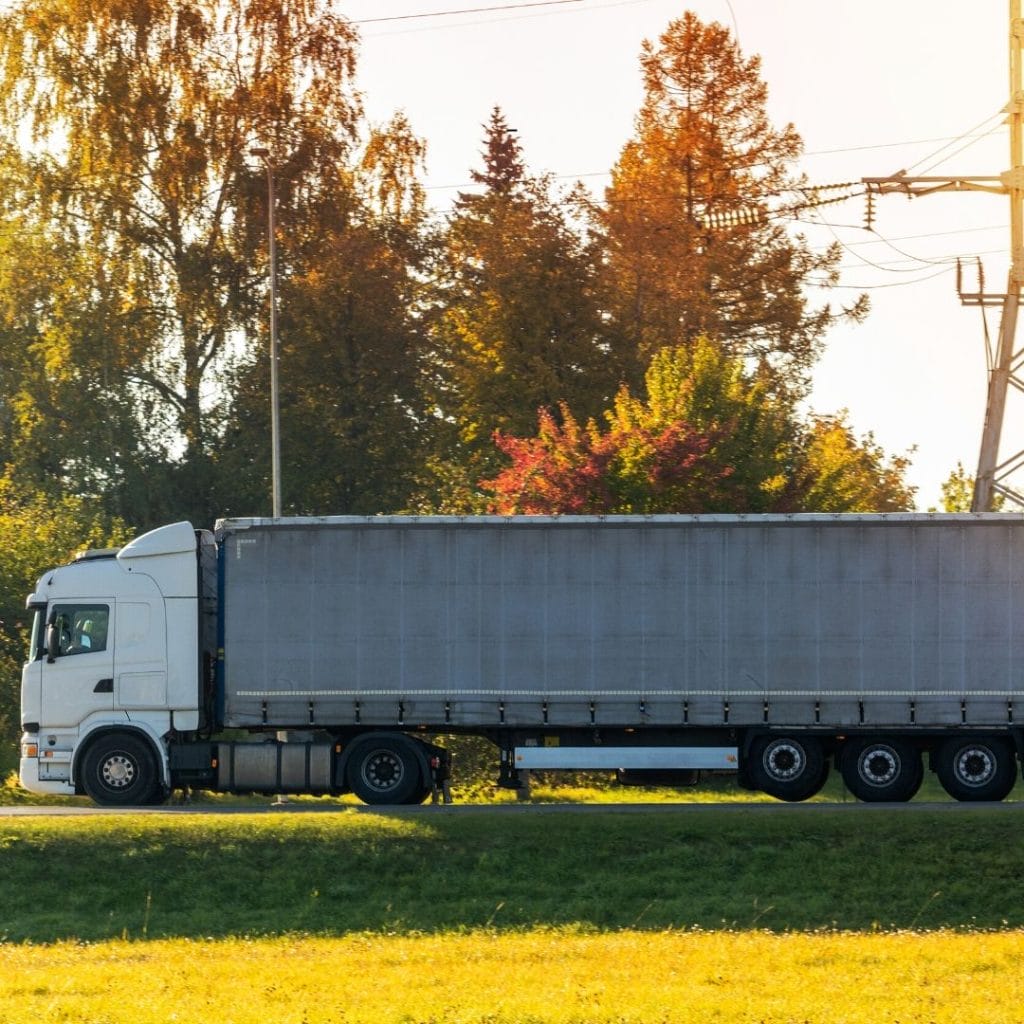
<point x="35" y="644"/>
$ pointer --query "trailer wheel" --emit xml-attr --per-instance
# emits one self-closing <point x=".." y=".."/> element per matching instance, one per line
<point x="788" y="767"/>
<point x="119" y="770"/>
<point x="384" y="771"/>
<point x="976" y="769"/>
<point x="877" y="770"/>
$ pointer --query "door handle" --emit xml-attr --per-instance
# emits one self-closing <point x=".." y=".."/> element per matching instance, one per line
<point x="104" y="686"/>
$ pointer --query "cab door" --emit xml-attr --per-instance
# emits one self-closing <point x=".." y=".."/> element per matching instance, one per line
<point x="78" y="663"/>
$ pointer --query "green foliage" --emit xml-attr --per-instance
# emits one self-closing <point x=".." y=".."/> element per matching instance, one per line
<point x="958" y="493"/>
<point x="36" y="533"/>
<point x="845" y="474"/>
<point x="353" y="366"/>
<point x="518" y="325"/>
<point x="141" y="118"/>
<point x="709" y="436"/>
<point x="133" y="284"/>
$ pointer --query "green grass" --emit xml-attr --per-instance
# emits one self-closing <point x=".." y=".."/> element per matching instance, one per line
<point x="349" y="872"/>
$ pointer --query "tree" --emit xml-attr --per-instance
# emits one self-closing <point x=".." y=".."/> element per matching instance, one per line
<point x="845" y="474"/>
<point x="36" y="533"/>
<point x="708" y="436"/>
<point x="518" y="324"/>
<point x="693" y="247"/>
<point x="958" y="493"/>
<point x="569" y="470"/>
<point x="354" y="407"/>
<point x="703" y="439"/>
<point x="67" y="423"/>
<point x="141" y="116"/>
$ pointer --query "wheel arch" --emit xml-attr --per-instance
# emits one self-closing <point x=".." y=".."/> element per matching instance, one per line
<point x="101" y="729"/>
<point x="418" y="747"/>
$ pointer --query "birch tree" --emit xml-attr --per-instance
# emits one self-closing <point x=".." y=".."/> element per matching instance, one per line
<point x="134" y="120"/>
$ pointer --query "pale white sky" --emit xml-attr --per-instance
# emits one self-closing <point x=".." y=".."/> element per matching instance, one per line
<point x="889" y="84"/>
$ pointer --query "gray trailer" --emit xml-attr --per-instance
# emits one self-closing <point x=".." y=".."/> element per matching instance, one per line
<point x="773" y="646"/>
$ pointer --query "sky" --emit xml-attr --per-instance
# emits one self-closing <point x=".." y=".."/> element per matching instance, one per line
<point x="873" y="87"/>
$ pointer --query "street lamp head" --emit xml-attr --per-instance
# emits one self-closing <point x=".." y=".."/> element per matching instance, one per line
<point x="261" y="151"/>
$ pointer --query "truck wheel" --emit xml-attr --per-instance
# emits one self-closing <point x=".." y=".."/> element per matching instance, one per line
<point x="877" y="770"/>
<point x="420" y="794"/>
<point x="976" y="769"/>
<point x="384" y="771"/>
<point x="788" y="767"/>
<point x="119" y="770"/>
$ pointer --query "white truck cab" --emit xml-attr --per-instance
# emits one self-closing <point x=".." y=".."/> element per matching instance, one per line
<point x="112" y="669"/>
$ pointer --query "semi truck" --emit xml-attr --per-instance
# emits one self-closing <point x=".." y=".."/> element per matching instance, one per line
<point x="333" y="654"/>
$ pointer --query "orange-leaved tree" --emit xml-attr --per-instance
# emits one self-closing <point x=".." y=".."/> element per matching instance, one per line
<point x="695" y="219"/>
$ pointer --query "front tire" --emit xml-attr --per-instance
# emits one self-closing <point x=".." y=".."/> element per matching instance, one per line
<point x="384" y="771"/>
<point x="788" y="767"/>
<point x="881" y="770"/>
<point x="976" y="769"/>
<point x="120" y="770"/>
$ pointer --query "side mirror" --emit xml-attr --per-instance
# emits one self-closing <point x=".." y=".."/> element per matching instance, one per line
<point x="52" y="642"/>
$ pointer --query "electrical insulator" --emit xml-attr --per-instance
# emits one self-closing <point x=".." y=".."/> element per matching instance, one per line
<point x="869" y="211"/>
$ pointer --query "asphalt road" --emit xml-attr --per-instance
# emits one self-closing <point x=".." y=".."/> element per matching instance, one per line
<point x="299" y="807"/>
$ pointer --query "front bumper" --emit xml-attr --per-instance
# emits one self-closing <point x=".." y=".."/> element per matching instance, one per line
<point x="28" y="775"/>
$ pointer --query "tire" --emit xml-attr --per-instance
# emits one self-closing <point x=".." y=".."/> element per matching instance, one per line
<point x="976" y="769"/>
<point x="120" y="770"/>
<point x="384" y="771"/>
<point x="787" y="767"/>
<point x="881" y="769"/>
<point x="421" y="794"/>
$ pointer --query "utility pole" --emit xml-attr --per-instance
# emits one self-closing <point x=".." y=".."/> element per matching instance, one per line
<point x="275" y="401"/>
<point x="1008" y="361"/>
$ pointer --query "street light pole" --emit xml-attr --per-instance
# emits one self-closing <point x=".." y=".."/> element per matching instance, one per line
<point x="275" y="405"/>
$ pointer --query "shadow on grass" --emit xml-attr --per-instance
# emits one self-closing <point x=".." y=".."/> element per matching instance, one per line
<point x="148" y="877"/>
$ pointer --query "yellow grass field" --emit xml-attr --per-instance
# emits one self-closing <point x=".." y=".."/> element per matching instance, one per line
<point x="547" y="976"/>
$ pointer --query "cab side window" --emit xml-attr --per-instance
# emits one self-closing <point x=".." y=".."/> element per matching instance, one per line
<point x="80" y="629"/>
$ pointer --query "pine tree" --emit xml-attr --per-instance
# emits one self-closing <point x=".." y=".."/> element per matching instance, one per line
<point x="517" y="326"/>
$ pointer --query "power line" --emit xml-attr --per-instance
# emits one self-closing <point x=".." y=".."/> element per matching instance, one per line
<point x="895" y="145"/>
<point x="931" y="234"/>
<point x="964" y="135"/>
<point x="914" y="259"/>
<point x="464" y="10"/>
<point x="876" y="287"/>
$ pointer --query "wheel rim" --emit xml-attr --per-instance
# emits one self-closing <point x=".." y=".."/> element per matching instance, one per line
<point x="383" y="771"/>
<point x="784" y="760"/>
<point x="975" y="766"/>
<point x="879" y="766"/>
<point x="118" y="771"/>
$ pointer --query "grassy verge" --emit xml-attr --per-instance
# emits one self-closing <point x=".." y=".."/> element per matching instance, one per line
<point x="738" y="915"/>
<point x="196" y="877"/>
<point x="561" y="977"/>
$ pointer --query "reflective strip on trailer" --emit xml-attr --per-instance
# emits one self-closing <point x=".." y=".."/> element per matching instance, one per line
<point x="614" y="758"/>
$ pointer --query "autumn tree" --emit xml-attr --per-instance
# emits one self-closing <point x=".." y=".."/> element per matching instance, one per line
<point x="706" y="436"/>
<point x="141" y="117"/>
<point x="518" y="324"/>
<point x="694" y="246"/>
<point x="843" y="473"/>
<point x="703" y="438"/>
